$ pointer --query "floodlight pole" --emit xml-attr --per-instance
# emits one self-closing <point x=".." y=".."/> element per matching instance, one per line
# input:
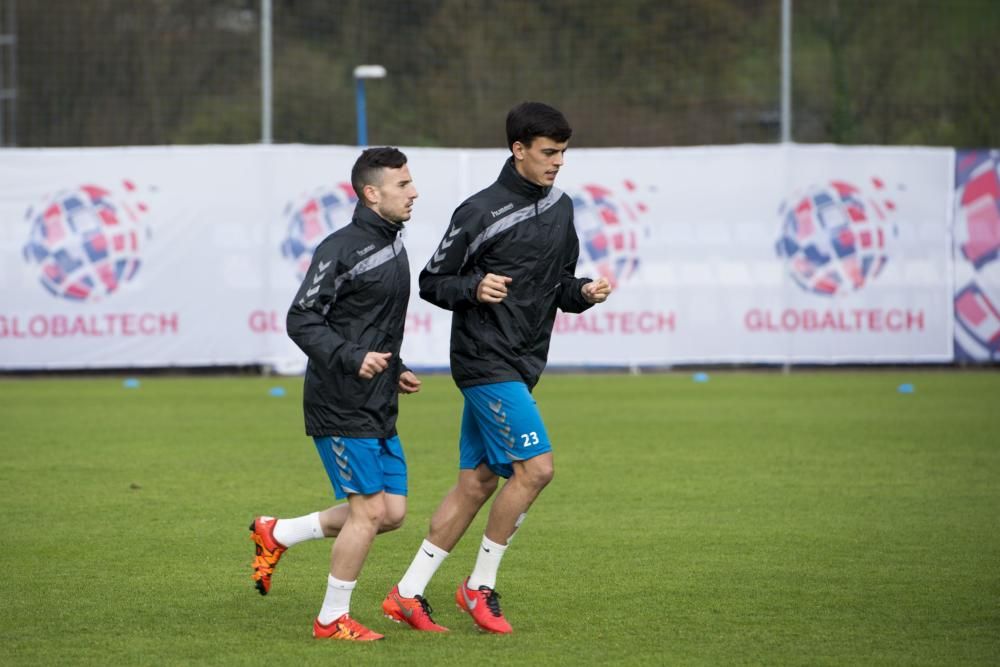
<point x="265" y="71"/>
<point x="786" y="71"/>
<point x="362" y="72"/>
<point x="786" y="94"/>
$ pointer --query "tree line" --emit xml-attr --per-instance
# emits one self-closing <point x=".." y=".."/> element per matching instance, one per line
<point x="627" y="73"/>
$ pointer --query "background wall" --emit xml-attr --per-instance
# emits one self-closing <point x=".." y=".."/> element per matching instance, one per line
<point x="741" y="253"/>
<point x="181" y="256"/>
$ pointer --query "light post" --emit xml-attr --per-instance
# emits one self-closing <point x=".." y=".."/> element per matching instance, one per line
<point x="786" y="71"/>
<point x="265" y="72"/>
<point x="362" y="72"/>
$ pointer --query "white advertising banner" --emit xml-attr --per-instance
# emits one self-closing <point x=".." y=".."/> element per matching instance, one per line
<point x="189" y="256"/>
<point x="764" y="254"/>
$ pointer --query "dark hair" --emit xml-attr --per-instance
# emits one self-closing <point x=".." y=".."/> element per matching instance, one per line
<point x="367" y="169"/>
<point x="534" y="119"/>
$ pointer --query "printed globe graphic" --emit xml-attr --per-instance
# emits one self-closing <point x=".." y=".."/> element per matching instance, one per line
<point x="977" y="246"/>
<point x="611" y="227"/>
<point x="86" y="243"/>
<point x="834" y="238"/>
<point x="311" y="219"/>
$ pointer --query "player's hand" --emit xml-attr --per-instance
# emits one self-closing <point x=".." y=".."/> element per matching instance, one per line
<point x="374" y="363"/>
<point x="409" y="383"/>
<point x="492" y="288"/>
<point x="596" y="291"/>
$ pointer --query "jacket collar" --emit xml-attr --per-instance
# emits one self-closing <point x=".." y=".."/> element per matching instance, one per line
<point x="369" y="219"/>
<point x="513" y="181"/>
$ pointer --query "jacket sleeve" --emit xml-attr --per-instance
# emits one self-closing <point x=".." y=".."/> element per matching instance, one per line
<point x="442" y="282"/>
<point x="570" y="298"/>
<point x="306" y="321"/>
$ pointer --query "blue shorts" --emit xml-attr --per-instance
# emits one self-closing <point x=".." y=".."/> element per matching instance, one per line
<point x="501" y="424"/>
<point x="363" y="465"/>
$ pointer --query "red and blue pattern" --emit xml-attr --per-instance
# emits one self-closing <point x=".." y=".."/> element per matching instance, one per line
<point x="611" y="225"/>
<point x="835" y="237"/>
<point x="977" y="255"/>
<point x="86" y="242"/>
<point x="311" y="219"/>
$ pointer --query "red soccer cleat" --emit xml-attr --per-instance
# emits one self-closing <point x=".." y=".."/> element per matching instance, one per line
<point x="345" y="628"/>
<point x="269" y="552"/>
<point x="483" y="606"/>
<point x="415" y="612"/>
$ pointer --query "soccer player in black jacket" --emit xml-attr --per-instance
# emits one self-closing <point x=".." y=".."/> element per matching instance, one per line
<point x="504" y="266"/>
<point x="348" y="318"/>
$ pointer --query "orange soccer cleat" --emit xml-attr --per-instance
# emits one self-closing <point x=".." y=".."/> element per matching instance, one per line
<point x="415" y="612"/>
<point x="345" y="628"/>
<point x="483" y="605"/>
<point x="269" y="552"/>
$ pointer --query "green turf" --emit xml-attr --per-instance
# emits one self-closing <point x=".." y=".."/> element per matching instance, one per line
<point x="816" y="518"/>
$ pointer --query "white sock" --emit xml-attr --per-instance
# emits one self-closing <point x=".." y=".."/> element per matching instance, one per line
<point x="337" y="601"/>
<point x="292" y="531"/>
<point x="487" y="564"/>
<point x="428" y="559"/>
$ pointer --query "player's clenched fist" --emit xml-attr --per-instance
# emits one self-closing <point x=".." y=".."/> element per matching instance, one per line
<point x="596" y="291"/>
<point x="374" y="363"/>
<point x="492" y="288"/>
<point x="408" y="383"/>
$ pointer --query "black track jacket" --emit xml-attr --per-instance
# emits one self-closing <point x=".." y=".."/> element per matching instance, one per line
<point x="352" y="301"/>
<point x="512" y="228"/>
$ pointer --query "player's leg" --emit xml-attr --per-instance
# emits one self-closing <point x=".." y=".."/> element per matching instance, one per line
<point x="460" y="506"/>
<point x="371" y="473"/>
<point x="516" y="438"/>
<point x="517" y="495"/>
<point x="476" y="483"/>
<point x="366" y="515"/>
<point x="332" y="519"/>
<point x="506" y="514"/>
<point x="395" y="483"/>
<point x="272" y="537"/>
<point x="351" y="547"/>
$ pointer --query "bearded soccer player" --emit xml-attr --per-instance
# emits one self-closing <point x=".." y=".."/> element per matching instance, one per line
<point x="505" y="265"/>
<point x="348" y="318"/>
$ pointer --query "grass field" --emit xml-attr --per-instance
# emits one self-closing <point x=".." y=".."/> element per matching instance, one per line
<point x="816" y="518"/>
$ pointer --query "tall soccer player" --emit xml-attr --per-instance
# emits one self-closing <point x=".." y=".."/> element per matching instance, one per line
<point x="505" y="265"/>
<point x="348" y="318"/>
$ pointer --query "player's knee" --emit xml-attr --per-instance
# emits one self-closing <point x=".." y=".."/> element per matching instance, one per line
<point x="373" y="513"/>
<point x="479" y="490"/>
<point x="393" y="519"/>
<point x="538" y="473"/>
